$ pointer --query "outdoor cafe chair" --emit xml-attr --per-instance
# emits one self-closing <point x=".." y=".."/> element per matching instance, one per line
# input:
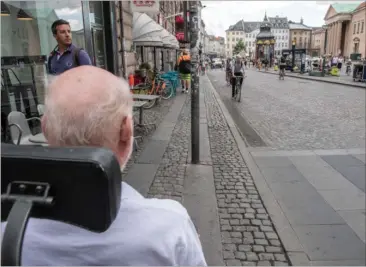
<point x="20" y="132"/>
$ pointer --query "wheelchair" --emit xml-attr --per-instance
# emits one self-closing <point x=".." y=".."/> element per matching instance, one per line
<point x="36" y="182"/>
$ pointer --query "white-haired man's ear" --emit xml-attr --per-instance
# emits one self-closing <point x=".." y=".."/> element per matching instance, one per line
<point x="125" y="144"/>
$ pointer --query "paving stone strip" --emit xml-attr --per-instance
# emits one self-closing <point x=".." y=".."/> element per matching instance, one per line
<point x="169" y="178"/>
<point x="247" y="233"/>
<point x="153" y="115"/>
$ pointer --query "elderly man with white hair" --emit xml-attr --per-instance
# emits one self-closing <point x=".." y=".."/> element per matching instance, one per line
<point x="88" y="106"/>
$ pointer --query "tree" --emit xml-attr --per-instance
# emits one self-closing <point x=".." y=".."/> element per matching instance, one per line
<point x="239" y="47"/>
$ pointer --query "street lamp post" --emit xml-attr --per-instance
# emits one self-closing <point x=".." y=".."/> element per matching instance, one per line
<point x="293" y="53"/>
<point x="195" y="116"/>
<point x="325" y="27"/>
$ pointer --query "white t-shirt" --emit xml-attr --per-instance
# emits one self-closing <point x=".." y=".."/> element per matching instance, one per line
<point x="146" y="232"/>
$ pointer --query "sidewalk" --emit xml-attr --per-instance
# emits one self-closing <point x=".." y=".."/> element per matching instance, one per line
<point x="219" y="194"/>
<point x="254" y="207"/>
<point x="342" y="80"/>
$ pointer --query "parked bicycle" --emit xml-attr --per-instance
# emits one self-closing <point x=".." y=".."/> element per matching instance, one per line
<point x="157" y="86"/>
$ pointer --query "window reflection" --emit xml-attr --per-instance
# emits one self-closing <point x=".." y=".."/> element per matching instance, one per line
<point x="26" y="42"/>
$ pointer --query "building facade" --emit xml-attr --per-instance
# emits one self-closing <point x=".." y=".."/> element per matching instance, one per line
<point x="251" y="30"/>
<point x="280" y="29"/>
<point x="216" y="46"/>
<point x="104" y="29"/>
<point x="301" y="34"/>
<point x="346" y="29"/>
<point x="248" y="31"/>
<point x="235" y="33"/>
<point x="318" y="41"/>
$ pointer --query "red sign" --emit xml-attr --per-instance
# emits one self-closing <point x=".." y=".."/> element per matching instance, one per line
<point x="179" y="36"/>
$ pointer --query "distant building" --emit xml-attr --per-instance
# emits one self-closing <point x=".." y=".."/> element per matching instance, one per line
<point x="301" y="34"/>
<point x="233" y="35"/>
<point x="280" y="29"/>
<point x="248" y="31"/>
<point x="346" y="29"/>
<point x="318" y="41"/>
<point x="251" y="29"/>
<point x="216" y="46"/>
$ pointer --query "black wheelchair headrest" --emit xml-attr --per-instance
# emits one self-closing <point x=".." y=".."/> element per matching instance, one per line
<point x="84" y="183"/>
<point x="79" y="186"/>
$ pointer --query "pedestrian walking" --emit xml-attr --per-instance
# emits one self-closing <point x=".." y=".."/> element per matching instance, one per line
<point x="184" y="66"/>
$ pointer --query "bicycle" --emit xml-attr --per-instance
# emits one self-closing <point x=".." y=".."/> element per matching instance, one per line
<point x="228" y="77"/>
<point x="157" y="86"/>
<point x="282" y="74"/>
<point x="237" y="92"/>
<point x="348" y="70"/>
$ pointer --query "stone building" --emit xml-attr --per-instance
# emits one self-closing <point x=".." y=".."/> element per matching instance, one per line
<point x="318" y="41"/>
<point x="251" y="29"/>
<point x="235" y="33"/>
<point x="301" y="34"/>
<point x="346" y="29"/>
<point x="216" y="46"/>
<point x="248" y="31"/>
<point x="280" y="29"/>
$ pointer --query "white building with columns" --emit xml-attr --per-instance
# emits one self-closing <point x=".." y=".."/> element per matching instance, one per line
<point x="346" y="29"/>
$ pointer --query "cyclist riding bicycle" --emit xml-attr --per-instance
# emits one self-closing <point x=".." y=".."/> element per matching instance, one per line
<point x="265" y="63"/>
<point x="348" y="66"/>
<point x="282" y="65"/>
<point x="228" y="70"/>
<point x="238" y="69"/>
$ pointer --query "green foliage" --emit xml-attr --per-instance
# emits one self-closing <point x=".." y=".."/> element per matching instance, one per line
<point x="239" y="47"/>
<point x="145" y="66"/>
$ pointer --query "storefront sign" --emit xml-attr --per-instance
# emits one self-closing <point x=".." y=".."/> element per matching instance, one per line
<point x="145" y="6"/>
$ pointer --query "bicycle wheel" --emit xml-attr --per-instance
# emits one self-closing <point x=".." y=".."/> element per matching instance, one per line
<point x="238" y="92"/>
<point x="150" y="103"/>
<point x="166" y="90"/>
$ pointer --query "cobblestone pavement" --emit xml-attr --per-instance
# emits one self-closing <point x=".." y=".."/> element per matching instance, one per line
<point x="247" y="232"/>
<point x="153" y="115"/>
<point x="169" y="179"/>
<point x="343" y="79"/>
<point x="299" y="114"/>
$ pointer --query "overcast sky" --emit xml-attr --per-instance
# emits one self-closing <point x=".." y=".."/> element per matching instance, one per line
<point x="219" y="15"/>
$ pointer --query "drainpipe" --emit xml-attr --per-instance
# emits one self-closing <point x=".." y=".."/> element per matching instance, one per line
<point x="122" y="39"/>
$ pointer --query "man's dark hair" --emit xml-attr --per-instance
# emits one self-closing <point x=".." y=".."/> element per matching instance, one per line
<point x="58" y="23"/>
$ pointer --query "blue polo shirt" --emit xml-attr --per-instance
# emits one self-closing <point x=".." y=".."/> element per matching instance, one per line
<point x="61" y="63"/>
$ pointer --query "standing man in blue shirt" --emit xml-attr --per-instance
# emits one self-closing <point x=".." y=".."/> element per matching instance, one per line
<point x="65" y="56"/>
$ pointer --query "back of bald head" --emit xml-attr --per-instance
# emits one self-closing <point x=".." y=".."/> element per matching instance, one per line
<point x="85" y="106"/>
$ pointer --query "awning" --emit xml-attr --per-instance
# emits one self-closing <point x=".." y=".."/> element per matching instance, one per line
<point x="145" y="31"/>
<point x="174" y="42"/>
<point x="167" y="38"/>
